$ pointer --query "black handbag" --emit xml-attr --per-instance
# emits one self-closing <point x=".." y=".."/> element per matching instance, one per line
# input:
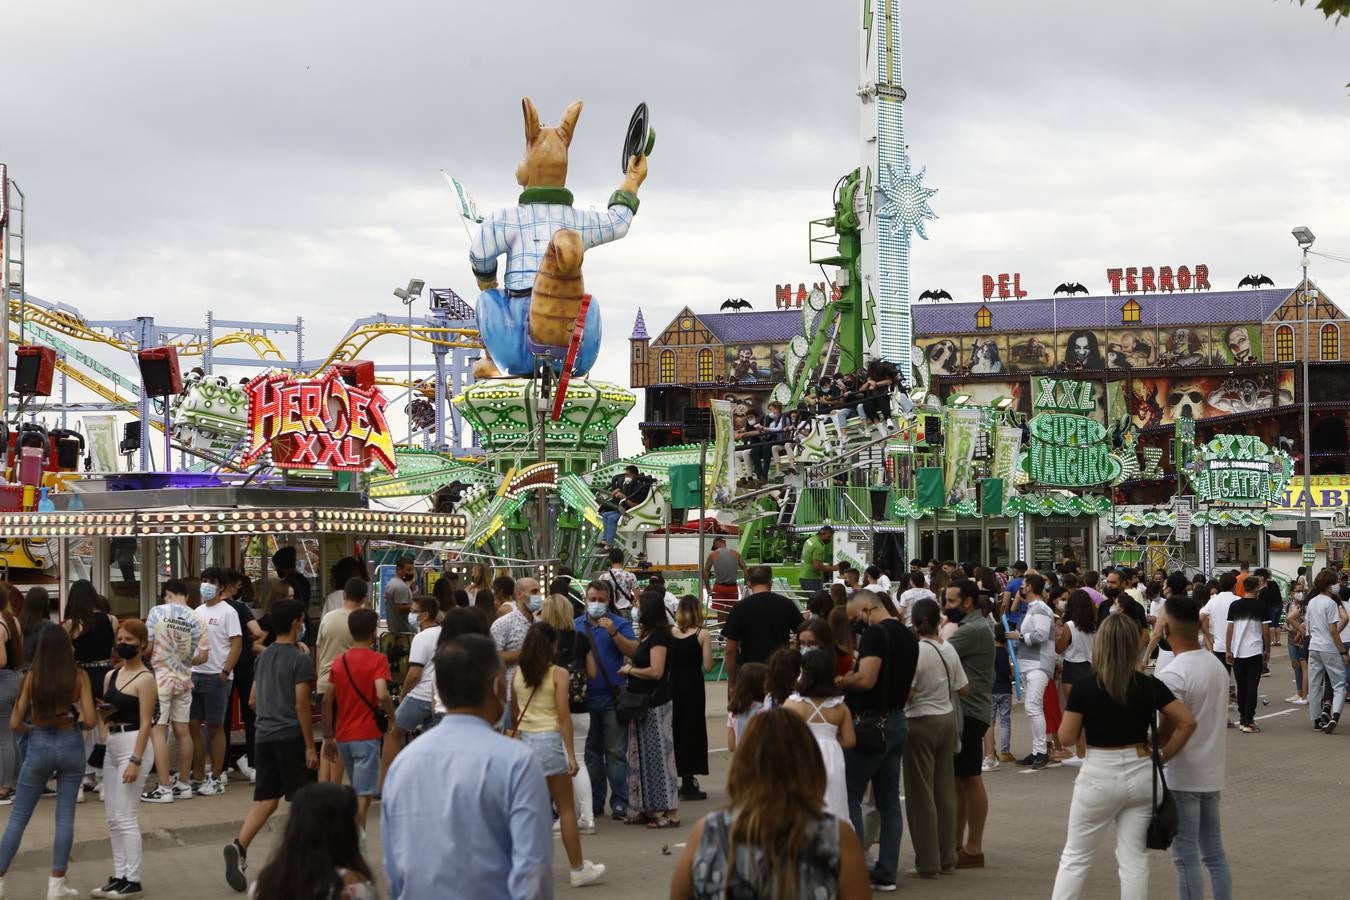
<point x="98" y="755"/>
<point x="869" y="728"/>
<point x="381" y="717"/>
<point x="576" y="679"/>
<point x="1164" y="822"/>
<point x="631" y="708"/>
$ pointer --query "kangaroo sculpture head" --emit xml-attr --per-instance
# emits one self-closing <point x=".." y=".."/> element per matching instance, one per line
<point x="545" y="163"/>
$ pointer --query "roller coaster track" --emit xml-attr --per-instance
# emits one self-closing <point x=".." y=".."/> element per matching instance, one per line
<point x="360" y="337"/>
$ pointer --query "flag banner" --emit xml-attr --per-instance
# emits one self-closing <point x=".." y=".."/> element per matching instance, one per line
<point x="928" y="492"/>
<point x="962" y="432"/>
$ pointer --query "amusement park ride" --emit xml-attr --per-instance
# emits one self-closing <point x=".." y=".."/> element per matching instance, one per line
<point x="522" y="493"/>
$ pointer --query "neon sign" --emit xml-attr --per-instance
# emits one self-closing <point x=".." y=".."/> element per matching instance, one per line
<point x="323" y="423"/>
<point x="1063" y="395"/>
<point x="1143" y="281"/>
<point x="1069" y="451"/>
<point x="1240" y="470"/>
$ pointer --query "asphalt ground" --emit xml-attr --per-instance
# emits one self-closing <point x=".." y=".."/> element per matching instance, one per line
<point x="1284" y="812"/>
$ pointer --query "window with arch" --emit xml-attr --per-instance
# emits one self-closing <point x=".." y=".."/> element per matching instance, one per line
<point x="983" y="318"/>
<point x="666" y="367"/>
<point x="1129" y="313"/>
<point x="705" y="365"/>
<point x="1331" y="342"/>
<point x="1284" y="344"/>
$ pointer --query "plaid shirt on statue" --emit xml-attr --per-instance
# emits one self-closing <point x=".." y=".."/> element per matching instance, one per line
<point x="523" y="232"/>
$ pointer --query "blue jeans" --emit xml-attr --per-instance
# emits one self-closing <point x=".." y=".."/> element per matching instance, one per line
<point x="1002" y="718"/>
<point x="607" y="757"/>
<point x="882" y="772"/>
<point x="1199" y="840"/>
<point x="50" y="751"/>
<point x="611" y="517"/>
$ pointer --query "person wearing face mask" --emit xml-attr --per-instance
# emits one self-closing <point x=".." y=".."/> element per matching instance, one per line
<point x="772" y="433"/>
<point x="211" y="685"/>
<point x="505" y="847"/>
<point x="1034" y="639"/>
<point x="509" y="631"/>
<point x="625" y="492"/>
<point x="226" y="582"/>
<point x="417" y="706"/>
<point x="129" y="696"/>
<point x="606" y="755"/>
<point x="285" y="749"/>
<point x="174" y="633"/>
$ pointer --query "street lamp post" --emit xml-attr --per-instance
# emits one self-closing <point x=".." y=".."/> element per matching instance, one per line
<point x="1304" y="236"/>
<point x="409" y="296"/>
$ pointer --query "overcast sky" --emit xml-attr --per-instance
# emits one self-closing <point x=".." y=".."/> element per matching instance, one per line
<point x="271" y="160"/>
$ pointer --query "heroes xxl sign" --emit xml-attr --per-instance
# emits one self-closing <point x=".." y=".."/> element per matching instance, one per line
<point x="322" y="423"/>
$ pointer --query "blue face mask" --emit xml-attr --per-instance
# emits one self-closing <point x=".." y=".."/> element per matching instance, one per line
<point x="535" y="603"/>
<point x="208" y="591"/>
<point x="596" y="610"/>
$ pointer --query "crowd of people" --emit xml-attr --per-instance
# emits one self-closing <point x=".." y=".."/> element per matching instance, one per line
<point x="555" y="703"/>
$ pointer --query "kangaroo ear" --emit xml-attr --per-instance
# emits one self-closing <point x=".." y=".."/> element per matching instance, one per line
<point x="531" y="120"/>
<point x="569" y="122"/>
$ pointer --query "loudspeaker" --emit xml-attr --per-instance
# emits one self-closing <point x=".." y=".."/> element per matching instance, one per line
<point x="698" y="424"/>
<point x="69" y="446"/>
<point x="33" y="370"/>
<point x="357" y="372"/>
<point x="131" y="437"/>
<point x="159" y="371"/>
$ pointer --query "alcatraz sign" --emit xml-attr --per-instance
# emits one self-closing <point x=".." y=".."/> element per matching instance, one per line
<point x="323" y="423"/>
<point x="1240" y="470"/>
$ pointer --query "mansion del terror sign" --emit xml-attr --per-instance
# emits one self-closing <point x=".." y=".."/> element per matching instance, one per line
<point x="1239" y="470"/>
<point x="1067" y="448"/>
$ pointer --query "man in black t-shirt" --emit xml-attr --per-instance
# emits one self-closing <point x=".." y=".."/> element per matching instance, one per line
<point x="888" y="654"/>
<point x="759" y="624"/>
<point x="1271" y="597"/>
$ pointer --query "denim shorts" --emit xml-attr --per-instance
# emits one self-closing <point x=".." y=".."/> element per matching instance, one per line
<point x="1297" y="653"/>
<point x="210" y="699"/>
<point x="362" y="759"/>
<point x="548" y="750"/>
<point x="412" y="713"/>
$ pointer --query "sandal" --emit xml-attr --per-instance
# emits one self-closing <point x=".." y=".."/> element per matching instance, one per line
<point x="663" y="822"/>
<point x="639" y="819"/>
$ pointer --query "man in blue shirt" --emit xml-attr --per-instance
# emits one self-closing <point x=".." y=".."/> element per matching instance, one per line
<point x="611" y="634"/>
<point x="479" y="828"/>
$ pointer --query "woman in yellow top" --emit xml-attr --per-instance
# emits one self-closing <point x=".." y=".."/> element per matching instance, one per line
<point x="543" y="720"/>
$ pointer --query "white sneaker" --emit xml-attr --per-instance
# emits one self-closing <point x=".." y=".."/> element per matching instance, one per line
<point x="182" y="790"/>
<point x="245" y="769"/>
<point x="79" y="798"/>
<point x="589" y="873"/>
<point x="210" y="788"/>
<point x="224" y="779"/>
<point x="1299" y="701"/>
<point x="1074" y="762"/>
<point x="159" y="794"/>
<point x="57" y="887"/>
<point x="989" y="764"/>
<point x="586" y="826"/>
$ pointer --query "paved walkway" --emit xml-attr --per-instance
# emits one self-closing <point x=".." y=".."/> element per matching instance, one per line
<point x="1286" y="797"/>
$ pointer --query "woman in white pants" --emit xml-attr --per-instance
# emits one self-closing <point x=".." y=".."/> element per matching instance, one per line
<point x="1115" y="708"/>
<point x="128" y="708"/>
<point x="574" y="655"/>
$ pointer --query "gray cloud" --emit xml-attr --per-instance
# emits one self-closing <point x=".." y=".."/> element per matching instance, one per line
<point x="275" y="160"/>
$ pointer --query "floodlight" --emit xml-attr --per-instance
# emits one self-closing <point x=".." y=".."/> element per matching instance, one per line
<point x="1303" y="234"/>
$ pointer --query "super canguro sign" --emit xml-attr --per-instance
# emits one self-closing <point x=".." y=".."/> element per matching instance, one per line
<point x="323" y="423"/>
<point x="1067" y="449"/>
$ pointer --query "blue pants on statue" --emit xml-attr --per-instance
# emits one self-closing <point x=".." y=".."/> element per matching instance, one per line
<point x="504" y="325"/>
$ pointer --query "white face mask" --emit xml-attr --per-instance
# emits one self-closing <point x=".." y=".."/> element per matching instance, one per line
<point x="596" y="610"/>
<point x="208" y="591"/>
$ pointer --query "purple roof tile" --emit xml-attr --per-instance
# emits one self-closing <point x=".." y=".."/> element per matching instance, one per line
<point x="1189" y="308"/>
<point x="774" y="326"/>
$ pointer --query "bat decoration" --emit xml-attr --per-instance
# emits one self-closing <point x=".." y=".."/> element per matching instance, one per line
<point x="939" y="294"/>
<point x="1256" y="281"/>
<point x="738" y="304"/>
<point x="1071" y="287"/>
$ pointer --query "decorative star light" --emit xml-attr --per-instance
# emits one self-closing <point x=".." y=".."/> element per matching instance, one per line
<point x="906" y="203"/>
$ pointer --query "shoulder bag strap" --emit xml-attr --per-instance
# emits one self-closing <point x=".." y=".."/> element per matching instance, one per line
<point x="600" y="663"/>
<point x="1155" y="750"/>
<point x="882" y="673"/>
<point x="515" y="728"/>
<point x="352" y="681"/>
